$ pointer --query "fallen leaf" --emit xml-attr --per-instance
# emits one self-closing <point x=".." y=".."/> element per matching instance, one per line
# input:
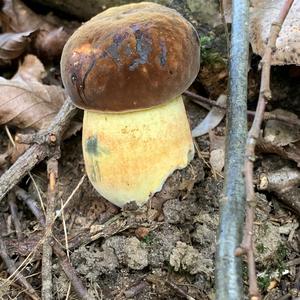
<point x="27" y="102"/>
<point x="12" y="45"/>
<point x="4" y="157"/>
<point x="213" y="119"/>
<point x="50" y="34"/>
<point x="217" y="150"/>
<point x="50" y="43"/>
<point x="279" y="180"/>
<point x="17" y="151"/>
<point x="291" y="151"/>
<point x="281" y="138"/>
<point x="31" y="69"/>
<point x="16" y="16"/>
<point x="280" y="133"/>
<point x="216" y="159"/>
<point x="142" y="232"/>
<point x="263" y="14"/>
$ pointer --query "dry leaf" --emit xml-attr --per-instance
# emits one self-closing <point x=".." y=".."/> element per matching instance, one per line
<point x="263" y="14"/>
<point x="17" y="151"/>
<point x="12" y="45"/>
<point x="217" y="159"/>
<point x="280" y="133"/>
<point x="217" y="150"/>
<point x="27" y="102"/>
<point x="50" y="35"/>
<point x="212" y="120"/>
<point x="50" y="43"/>
<point x="291" y="151"/>
<point x="16" y="17"/>
<point x="281" y="138"/>
<point x="4" y="157"/>
<point x="30" y="70"/>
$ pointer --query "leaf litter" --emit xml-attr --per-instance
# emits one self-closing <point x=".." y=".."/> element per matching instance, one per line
<point x="25" y="101"/>
<point x="178" y="231"/>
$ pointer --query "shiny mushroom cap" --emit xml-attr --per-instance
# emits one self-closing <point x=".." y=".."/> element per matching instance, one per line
<point x="131" y="57"/>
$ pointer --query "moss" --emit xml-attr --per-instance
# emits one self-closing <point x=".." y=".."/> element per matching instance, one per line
<point x="148" y="239"/>
<point x="281" y="254"/>
<point x="277" y="267"/>
<point x="260" y="248"/>
<point x="264" y="281"/>
<point x="209" y="55"/>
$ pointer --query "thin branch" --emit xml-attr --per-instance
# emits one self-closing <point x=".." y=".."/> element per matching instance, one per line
<point x="71" y="273"/>
<point x="247" y="246"/>
<point x="52" y="168"/>
<point x="38" y="152"/>
<point x="179" y="290"/>
<point x="12" y="269"/>
<point x="14" y="214"/>
<point x="62" y="256"/>
<point x="135" y="289"/>
<point x="204" y="100"/>
<point x="267" y="115"/>
<point x="31" y="203"/>
<point x="228" y="266"/>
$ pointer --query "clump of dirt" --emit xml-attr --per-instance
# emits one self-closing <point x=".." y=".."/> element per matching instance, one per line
<point x="187" y="258"/>
<point x="130" y="251"/>
<point x="161" y="242"/>
<point x="92" y="262"/>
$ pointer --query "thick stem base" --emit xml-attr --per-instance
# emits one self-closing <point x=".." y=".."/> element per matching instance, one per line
<point x="128" y="156"/>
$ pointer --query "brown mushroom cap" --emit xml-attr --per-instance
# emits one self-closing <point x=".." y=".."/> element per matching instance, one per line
<point x="130" y="57"/>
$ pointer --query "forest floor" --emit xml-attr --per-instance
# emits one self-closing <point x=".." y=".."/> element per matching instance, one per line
<point x="165" y="249"/>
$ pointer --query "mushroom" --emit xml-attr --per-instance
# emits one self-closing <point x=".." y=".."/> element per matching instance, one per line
<point x="127" y="68"/>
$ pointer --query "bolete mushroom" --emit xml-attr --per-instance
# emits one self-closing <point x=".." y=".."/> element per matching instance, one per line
<point x="127" y="68"/>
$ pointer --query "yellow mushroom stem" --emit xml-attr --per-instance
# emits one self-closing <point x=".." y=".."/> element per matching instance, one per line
<point x="128" y="156"/>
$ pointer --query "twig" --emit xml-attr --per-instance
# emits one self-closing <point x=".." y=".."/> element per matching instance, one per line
<point x="135" y="289"/>
<point x="12" y="269"/>
<point x="31" y="203"/>
<point x="225" y="27"/>
<point x="65" y="230"/>
<point x="29" y="174"/>
<point x="267" y="115"/>
<point x="293" y="262"/>
<point x="228" y="266"/>
<point x="204" y="100"/>
<point x="180" y="291"/>
<point x="14" y="214"/>
<point x="19" y="287"/>
<point x="247" y="246"/>
<point x="62" y="257"/>
<point x="285" y="297"/>
<point x="38" y="193"/>
<point x="52" y="169"/>
<point x="37" y="152"/>
<point x="71" y="273"/>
